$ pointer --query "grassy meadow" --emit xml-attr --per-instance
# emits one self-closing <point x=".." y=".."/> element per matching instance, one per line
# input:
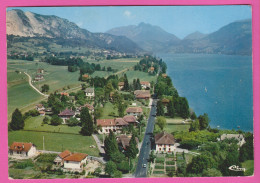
<point x="56" y="141"/>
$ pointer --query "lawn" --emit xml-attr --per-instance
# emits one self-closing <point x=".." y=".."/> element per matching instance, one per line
<point x="108" y="108"/>
<point x="20" y="94"/>
<point x="34" y="124"/>
<point x="249" y="166"/>
<point x="177" y="127"/>
<point x="143" y="76"/>
<point x="56" y="141"/>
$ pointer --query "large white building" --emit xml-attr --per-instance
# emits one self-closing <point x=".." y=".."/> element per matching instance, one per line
<point x="59" y="160"/>
<point x="240" y="138"/>
<point x="164" y="143"/>
<point x="75" y="162"/>
<point x="114" y="125"/>
<point x="22" y="149"/>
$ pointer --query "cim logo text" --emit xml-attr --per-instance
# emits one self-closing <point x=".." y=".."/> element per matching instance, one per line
<point x="236" y="168"/>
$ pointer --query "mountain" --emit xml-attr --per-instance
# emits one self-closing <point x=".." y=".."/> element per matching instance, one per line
<point x="32" y="25"/>
<point x="234" y="38"/>
<point x="195" y="36"/>
<point x="149" y="37"/>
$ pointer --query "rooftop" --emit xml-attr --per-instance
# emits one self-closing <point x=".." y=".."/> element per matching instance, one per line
<point x="21" y="146"/>
<point x="134" y="109"/>
<point x="164" y="138"/>
<point x="78" y="157"/>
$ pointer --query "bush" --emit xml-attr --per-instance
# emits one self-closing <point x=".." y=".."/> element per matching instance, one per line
<point x="170" y="162"/>
<point x="158" y="172"/>
<point x="159" y="167"/>
<point x="170" y="174"/>
<point x="170" y="168"/>
<point x="55" y="120"/>
<point x="24" y="164"/>
<point x="46" y="158"/>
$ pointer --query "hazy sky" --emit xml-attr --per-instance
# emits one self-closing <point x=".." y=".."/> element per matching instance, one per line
<point x="179" y="20"/>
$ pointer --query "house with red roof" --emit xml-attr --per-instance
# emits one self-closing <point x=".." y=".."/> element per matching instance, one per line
<point x="130" y="119"/>
<point x="142" y="94"/>
<point x="124" y="140"/>
<point x="114" y="125"/>
<point x="22" y="149"/>
<point x="66" y="114"/>
<point x="59" y="160"/>
<point x="135" y="111"/>
<point x="75" y="161"/>
<point x="164" y="143"/>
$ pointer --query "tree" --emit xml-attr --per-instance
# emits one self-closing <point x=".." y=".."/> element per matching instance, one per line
<point x="110" y="168"/>
<point x="246" y="152"/>
<point x="45" y="120"/>
<point x="132" y="149"/>
<point x="152" y="157"/>
<point x="184" y="107"/>
<point x="195" y="126"/>
<point x="161" y="122"/>
<point x="126" y="84"/>
<point x="17" y="122"/>
<point x="211" y="172"/>
<point x="56" y="120"/>
<point x="117" y="174"/>
<point x="204" y="121"/>
<point x="170" y="109"/>
<point x="198" y="164"/>
<point x="86" y="122"/>
<point x="73" y="122"/>
<point x="45" y="88"/>
<point x="160" y="109"/>
<point x="110" y="144"/>
<point x="193" y="116"/>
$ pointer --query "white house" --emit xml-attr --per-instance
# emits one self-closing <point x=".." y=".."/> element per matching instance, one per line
<point x="40" y="107"/>
<point x="90" y="92"/>
<point x="75" y="162"/>
<point x="59" y="160"/>
<point x="239" y="137"/>
<point x="114" y="125"/>
<point x="135" y="111"/>
<point x="164" y="142"/>
<point x="145" y="84"/>
<point x="22" y="149"/>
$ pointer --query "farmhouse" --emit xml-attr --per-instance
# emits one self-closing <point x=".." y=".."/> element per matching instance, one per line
<point x="240" y="138"/>
<point x="142" y="94"/>
<point x="66" y="114"/>
<point x="65" y="94"/>
<point x="40" y="71"/>
<point x="90" y="92"/>
<point x="75" y="162"/>
<point x="164" y="142"/>
<point x="22" y="149"/>
<point x="59" y="160"/>
<point x="130" y="119"/>
<point x="145" y="85"/>
<point x="120" y="85"/>
<point x="151" y="69"/>
<point x="164" y="75"/>
<point x="38" y="77"/>
<point x="42" y="113"/>
<point x="40" y="107"/>
<point x="114" y="125"/>
<point x="135" y="111"/>
<point x="123" y="141"/>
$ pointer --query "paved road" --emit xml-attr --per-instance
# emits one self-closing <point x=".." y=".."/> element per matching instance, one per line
<point x="146" y="146"/>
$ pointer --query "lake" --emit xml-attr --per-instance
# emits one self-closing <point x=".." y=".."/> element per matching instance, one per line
<point x="220" y="85"/>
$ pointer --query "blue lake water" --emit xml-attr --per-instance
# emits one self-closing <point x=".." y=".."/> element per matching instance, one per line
<point x="220" y="85"/>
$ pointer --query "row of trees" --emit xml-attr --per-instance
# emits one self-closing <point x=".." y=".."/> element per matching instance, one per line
<point x="119" y="162"/>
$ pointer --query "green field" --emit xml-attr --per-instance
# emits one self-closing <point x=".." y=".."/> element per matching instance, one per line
<point x="177" y="127"/>
<point x="249" y="166"/>
<point x="107" y="109"/>
<point x="20" y="94"/>
<point x="34" y="124"/>
<point x="57" y="77"/>
<point x="56" y="141"/>
<point x="143" y="76"/>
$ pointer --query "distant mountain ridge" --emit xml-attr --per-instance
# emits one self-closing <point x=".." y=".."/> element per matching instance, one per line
<point x="234" y="38"/>
<point x="149" y="37"/>
<point x="28" y="24"/>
